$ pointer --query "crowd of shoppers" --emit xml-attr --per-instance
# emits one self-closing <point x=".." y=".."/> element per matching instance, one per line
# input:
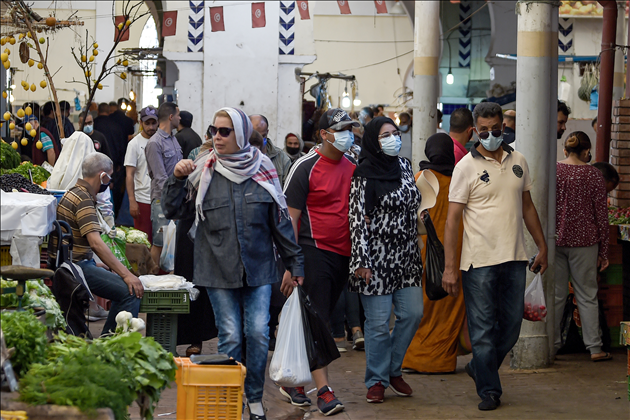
<point x="340" y="217"/>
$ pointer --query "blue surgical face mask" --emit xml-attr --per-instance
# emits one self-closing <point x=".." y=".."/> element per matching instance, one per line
<point x="265" y="141"/>
<point x="88" y="129"/>
<point x="391" y="145"/>
<point x="492" y="143"/>
<point x="343" y="140"/>
<point x="403" y="128"/>
<point x="362" y="117"/>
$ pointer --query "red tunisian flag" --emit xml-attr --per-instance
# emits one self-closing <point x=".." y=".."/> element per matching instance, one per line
<point x="303" y="8"/>
<point x="169" y="23"/>
<point x="344" y="7"/>
<point x="216" y="19"/>
<point x="381" y="7"/>
<point x="258" y="15"/>
<point x="125" y="29"/>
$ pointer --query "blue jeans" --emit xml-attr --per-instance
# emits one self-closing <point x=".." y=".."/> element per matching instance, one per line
<point x="494" y="305"/>
<point x="384" y="352"/>
<point x="110" y="286"/>
<point x="347" y="309"/>
<point x="226" y="304"/>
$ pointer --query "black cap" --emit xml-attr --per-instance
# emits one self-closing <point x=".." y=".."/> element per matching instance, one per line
<point x="336" y="119"/>
<point x="186" y="118"/>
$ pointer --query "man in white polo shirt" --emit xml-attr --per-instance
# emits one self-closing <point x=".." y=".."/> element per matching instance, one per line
<point x="490" y="187"/>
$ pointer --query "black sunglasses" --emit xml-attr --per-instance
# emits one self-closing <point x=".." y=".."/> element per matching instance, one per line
<point x="485" y="134"/>
<point x="223" y="131"/>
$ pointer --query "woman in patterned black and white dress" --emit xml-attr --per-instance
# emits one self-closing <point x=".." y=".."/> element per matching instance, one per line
<point x="385" y="265"/>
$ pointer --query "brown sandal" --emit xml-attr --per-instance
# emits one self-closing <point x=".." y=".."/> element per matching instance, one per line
<point x="193" y="349"/>
<point x="606" y="356"/>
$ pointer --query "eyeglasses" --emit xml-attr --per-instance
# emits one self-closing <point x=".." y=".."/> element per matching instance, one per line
<point x="223" y="131"/>
<point x="385" y="135"/>
<point x="485" y="134"/>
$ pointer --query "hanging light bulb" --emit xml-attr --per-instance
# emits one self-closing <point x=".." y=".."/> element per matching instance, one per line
<point x="132" y="95"/>
<point x="123" y="106"/>
<point x="449" y="77"/>
<point x="345" y="100"/>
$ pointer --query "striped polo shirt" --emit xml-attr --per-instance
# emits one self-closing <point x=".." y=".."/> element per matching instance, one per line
<point x="78" y="208"/>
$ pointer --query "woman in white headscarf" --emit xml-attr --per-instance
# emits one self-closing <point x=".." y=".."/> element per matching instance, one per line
<point x="234" y="192"/>
<point x="68" y="170"/>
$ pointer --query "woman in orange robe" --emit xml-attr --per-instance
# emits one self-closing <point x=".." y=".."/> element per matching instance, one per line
<point x="434" y="348"/>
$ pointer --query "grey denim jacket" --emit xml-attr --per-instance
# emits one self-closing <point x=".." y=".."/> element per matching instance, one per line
<point x="236" y="239"/>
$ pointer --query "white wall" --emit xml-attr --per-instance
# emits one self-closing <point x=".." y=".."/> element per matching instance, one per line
<point x="96" y="16"/>
<point x="376" y="36"/>
<point x="241" y="64"/>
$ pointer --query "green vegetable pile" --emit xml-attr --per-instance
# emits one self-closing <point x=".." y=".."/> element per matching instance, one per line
<point x="39" y="174"/>
<point x="37" y="295"/>
<point x="23" y="331"/>
<point x="133" y="236"/>
<point x="9" y="158"/>
<point x="106" y="372"/>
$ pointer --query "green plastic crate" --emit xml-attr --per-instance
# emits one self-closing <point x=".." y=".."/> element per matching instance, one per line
<point x="172" y="301"/>
<point x="163" y="328"/>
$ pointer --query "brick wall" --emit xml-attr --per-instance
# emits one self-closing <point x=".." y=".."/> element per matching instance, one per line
<point x="620" y="152"/>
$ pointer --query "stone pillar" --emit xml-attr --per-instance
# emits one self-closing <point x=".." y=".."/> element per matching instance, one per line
<point x="290" y="96"/>
<point x="425" y="80"/>
<point x="537" y="50"/>
<point x="190" y="86"/>
<point x="104" y="35"/>
<point x="619" y="77"/>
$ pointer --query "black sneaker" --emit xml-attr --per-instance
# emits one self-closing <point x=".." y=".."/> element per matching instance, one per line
<point x="470" y="372"/>
<point x="296" y="396"/>
<point x="327" y="403"/>
<point x="490" y="402"/>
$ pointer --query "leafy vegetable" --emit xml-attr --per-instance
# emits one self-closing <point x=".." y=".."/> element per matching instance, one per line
<point x="82" y="379"/>
<point x="39" y="174"/>
<point x="23" y="331"/>
<point x="147" y="367"/>
<point x="135" y="236"/>
<point x="37" y="295"/>
<point x="9" y="158"/>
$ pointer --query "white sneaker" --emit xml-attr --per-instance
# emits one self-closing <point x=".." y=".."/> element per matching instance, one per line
<point x="96" y="315"/>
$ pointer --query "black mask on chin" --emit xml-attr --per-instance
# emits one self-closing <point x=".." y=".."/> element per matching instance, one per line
<point x="293" y="150"/>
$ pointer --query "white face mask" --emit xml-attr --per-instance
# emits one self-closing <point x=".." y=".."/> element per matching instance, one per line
<point x="391" y="145"/>
<point x="343" y="140"/>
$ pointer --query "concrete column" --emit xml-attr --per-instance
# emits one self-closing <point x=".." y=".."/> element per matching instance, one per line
<point x="189" y="86"/>
<point x="425" y="80"/>
<point x="290" y="96"/>
<point x="104" y="35"/>
<point x="619" y="77"/>
<point x="551" y="208"/>
<point x="537" y="50"/>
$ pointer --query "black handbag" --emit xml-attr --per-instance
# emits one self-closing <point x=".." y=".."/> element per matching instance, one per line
<point x="320" y="345"/>
<point x="434" y="264"/>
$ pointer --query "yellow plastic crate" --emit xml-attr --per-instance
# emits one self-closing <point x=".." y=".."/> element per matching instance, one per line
<point x="13" y="415"/>
<point x="209" y="392"/>
<point x="5" y="256"/>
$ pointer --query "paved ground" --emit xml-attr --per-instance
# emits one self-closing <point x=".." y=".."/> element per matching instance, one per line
<point x="574" y="389"/>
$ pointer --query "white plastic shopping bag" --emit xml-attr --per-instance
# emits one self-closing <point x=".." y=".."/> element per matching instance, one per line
<point x="167" y="258"/>
<point x="289" y="365"/>
<point x="535" y="307"/>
